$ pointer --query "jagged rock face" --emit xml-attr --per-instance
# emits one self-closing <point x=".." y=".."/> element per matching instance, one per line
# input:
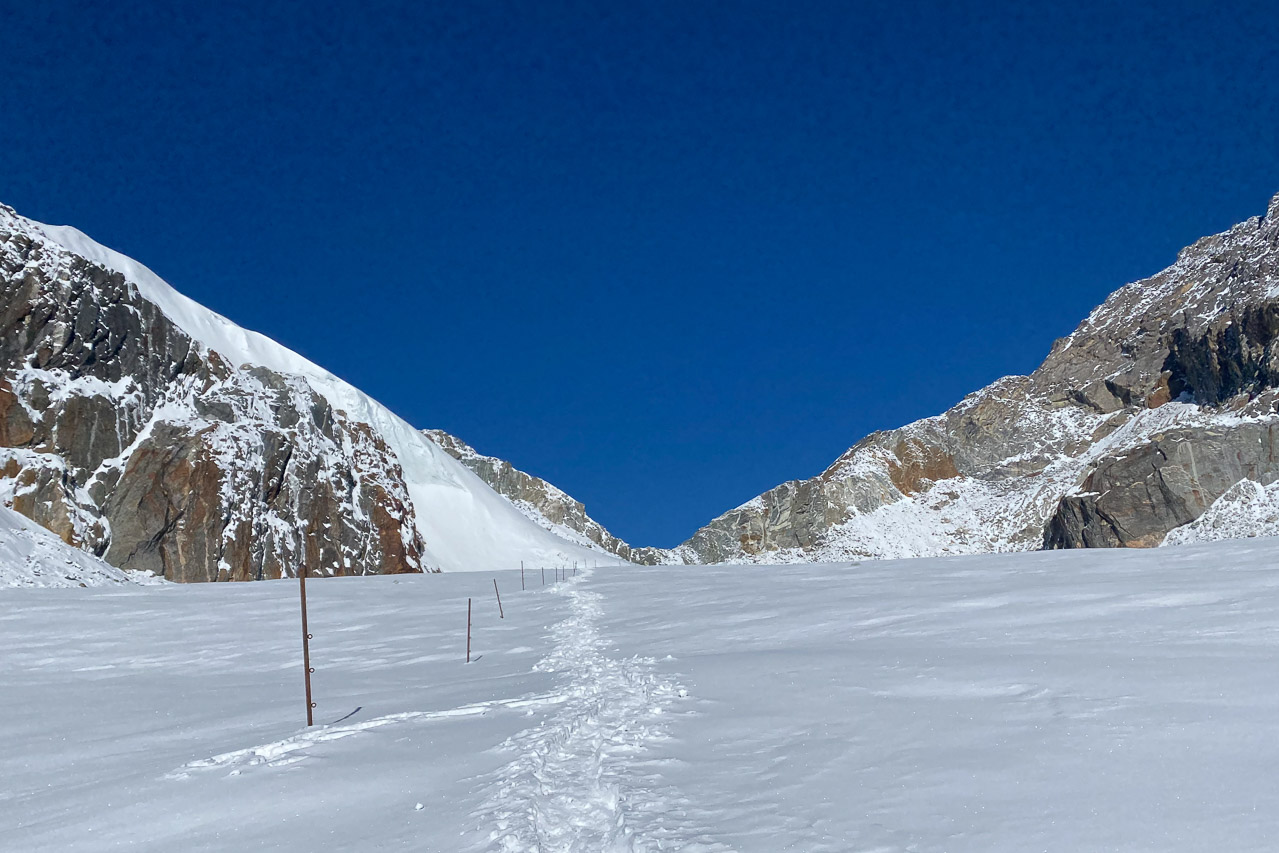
<point x="543" y="503"/>
<point x="1234" y="356"/>
<point x="1158" y="404"/>
<point x="126" y="438"/>
<point x="1135" y="499"/>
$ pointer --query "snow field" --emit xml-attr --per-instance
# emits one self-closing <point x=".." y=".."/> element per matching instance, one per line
<point x="1050" y="701"/>
<point x="167" y="718"/>
<point x="1059" y="701"/>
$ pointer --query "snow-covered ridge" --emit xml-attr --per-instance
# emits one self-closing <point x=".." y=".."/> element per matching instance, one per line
<point x="463" y="523"/>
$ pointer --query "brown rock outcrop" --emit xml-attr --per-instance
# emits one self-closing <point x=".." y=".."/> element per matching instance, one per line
<point x="125" y="437"/>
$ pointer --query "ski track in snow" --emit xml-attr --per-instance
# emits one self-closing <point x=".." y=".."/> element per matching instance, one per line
<point x="581" y="781"/>
<point x="282" y="752"/>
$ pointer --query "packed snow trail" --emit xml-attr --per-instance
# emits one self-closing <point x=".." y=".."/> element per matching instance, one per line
<point x="293" y="749"/>
<point x="581" y="781"/>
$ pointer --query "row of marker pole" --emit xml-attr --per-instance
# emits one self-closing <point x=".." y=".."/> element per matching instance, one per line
<point x="500" y="613"/>
<point x="307" y="669"/>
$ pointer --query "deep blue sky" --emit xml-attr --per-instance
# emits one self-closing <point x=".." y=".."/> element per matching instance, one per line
<point x="664" y="254"/>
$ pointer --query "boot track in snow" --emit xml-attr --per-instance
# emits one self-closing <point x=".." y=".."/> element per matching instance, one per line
<point x="581" y="782"/>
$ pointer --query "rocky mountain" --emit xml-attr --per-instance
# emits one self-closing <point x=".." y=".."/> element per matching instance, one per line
<point x="1154" y="421"/>
<point x="142" y="428"/>
<point x="543" y="503"/>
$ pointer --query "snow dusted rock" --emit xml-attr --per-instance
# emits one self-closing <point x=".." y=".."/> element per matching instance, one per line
<point x="1159" y="403"/>
<point x="1133" y="499"/>
<point x="141" y="427"/>
<point x="1205" y="330"/>
<point x="982" y="477"/>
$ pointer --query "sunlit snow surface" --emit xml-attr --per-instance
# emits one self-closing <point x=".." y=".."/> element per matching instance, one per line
<point x="1061" y="701"/>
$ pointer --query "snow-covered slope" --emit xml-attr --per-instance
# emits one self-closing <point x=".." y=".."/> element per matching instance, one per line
<point x="1062" y="701"/>
<point x="31" y="556"/>
<point x="1246" y="509"/>
<point x="458" y="522"/>
<point x="545" y="504"/>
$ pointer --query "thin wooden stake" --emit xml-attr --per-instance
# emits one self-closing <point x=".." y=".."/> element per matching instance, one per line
<point x="543" y="575"/>
<point x="306" y="650"/>
<point x="500" y="614"/>
<point x="468" y="630"/>
<point x="521" y="575"/>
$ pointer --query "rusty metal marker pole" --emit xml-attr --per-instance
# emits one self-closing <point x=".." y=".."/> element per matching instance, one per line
<point x="306" y="650"/>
